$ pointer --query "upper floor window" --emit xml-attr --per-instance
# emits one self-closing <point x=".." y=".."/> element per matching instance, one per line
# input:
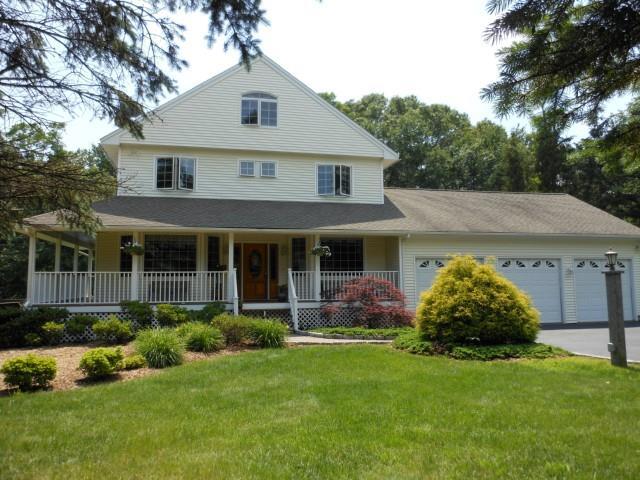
<point x="334" y="180"/>
<point x="175" y="173"/>
<point x="267" y="169"/>
<point x="248" y="168"/>
<point x="259" y="109"/>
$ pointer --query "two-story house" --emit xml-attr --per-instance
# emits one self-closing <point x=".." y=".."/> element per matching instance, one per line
<point x="239" y="178"/>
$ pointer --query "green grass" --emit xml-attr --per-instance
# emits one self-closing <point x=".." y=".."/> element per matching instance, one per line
<point x="365" y="332"/>
<point x="359" y="411"/>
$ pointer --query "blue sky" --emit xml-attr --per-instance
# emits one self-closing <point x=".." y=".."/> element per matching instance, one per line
<point x="434" y="50"/>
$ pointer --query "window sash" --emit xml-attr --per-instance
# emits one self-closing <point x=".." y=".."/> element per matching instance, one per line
<point x="165" y="167"/>
<point x="187" y="173"/>
<point x="126" y="262"/>
<point x="268" y="169"/>
<point x="298" y="254"/>
<point x="213" y="253"/>
<point x="247" y="168"/>
<point x="268" y="113"/>
<point x="249" y="111"/>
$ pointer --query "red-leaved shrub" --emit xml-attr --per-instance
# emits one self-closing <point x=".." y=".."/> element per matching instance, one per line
<point x="378" y="303"/>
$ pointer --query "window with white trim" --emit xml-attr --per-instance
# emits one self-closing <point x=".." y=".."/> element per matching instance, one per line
<point x="260" y="109"/>
<point x="175" y="173"/>
<point x="247" y="168"/>
<point x="267" y="169"/>
<point x="334" y="180"/>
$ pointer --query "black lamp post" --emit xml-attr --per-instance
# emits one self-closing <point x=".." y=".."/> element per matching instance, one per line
<point x="617" y="344"/>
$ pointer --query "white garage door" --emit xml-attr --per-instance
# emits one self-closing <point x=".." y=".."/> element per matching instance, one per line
<point x="540" y="279"/>
<point x="426" y="269"/>
<point x="591" y="293"/>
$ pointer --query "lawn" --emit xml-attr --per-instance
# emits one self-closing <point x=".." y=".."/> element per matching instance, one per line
<point x="358" y="411"/>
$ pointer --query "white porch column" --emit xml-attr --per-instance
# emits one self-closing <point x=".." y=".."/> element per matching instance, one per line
<point x="90" y="260"/>
<point x="316" y="270"/>
<point x="230" y="270"/>
<point x="76" y="252"/>
<point x="58" y="245"/>
<point x="136" y="267"/>
<point x="201" y="252"/>
<point x="31" y="268"/>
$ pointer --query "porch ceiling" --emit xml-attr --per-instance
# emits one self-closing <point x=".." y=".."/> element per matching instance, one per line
<point x="404" y="211"/>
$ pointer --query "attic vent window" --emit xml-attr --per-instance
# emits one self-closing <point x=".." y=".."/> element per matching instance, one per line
<point x="259" y="109"/>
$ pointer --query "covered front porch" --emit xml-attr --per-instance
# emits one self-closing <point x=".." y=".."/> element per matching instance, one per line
<point x="244" y="270"/>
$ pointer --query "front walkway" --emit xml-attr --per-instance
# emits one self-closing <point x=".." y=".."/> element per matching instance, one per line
<point x="591" y="341"/>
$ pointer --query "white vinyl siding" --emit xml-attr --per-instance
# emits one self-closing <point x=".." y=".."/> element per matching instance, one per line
<point x="210" y="118"/>
<point x="218" y="176"/>
<point x="566" y="250"/>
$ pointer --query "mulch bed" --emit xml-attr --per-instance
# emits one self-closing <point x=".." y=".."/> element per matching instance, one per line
<point x="68" y="357"/>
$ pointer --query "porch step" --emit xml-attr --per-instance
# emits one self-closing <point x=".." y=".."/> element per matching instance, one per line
<point x="266" y="306"/>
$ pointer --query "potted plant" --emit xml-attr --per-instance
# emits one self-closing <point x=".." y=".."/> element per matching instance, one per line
<point x="321" y="251"/>
<point x="133" y="248"/>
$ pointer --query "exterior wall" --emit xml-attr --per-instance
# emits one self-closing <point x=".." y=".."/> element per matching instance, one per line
<point x="209" y="117"/>
<point x="107" y="253"/>
<point x="566" y="250"/>
<point x="217" y="176"/>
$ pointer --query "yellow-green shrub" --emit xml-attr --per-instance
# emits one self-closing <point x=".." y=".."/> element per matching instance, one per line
<point x="470" y="302"/>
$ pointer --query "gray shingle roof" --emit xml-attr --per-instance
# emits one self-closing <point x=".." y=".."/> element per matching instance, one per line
<point x="404" y="210"/>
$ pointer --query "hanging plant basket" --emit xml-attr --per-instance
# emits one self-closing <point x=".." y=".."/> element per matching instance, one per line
<point x="321" y="251"/>
<point x="133" y="248"/>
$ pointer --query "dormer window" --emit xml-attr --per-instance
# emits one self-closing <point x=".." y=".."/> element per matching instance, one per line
<point x="259" y="109"/>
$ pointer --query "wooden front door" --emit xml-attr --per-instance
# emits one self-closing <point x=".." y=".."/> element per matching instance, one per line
<point x="254" y="271"/>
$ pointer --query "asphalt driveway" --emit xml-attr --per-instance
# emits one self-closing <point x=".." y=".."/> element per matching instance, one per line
<point x="591" y="341"/>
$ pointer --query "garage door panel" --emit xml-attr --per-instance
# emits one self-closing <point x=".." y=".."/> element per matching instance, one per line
<point x="591" y="294"/>
<point x="540" y="279"/>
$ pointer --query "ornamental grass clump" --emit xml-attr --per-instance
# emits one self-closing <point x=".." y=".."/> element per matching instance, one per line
<point x="472" y="303"/>
<point x="268" y="333"/>
<point x="160" y="347"/>
<point x="200" y="337"/>
<point x="29" y="372"/>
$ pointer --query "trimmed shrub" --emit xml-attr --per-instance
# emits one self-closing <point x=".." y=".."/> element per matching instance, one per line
<point x="268" y="333"/>
<point x="414" y="343"/>
<point x="14" y="330"/>
<point x="378" y="303"/>
<point x="470" y="302"/>
<point x="77" y="325"/>
<point x="160" y="347"/>
<point x="52" y="332"/>
<point x="113" y="330"/>
<point x="134" y="362"/>
<point x="102" y="362"/>
<point x="139" y="312"/>
<point x="29" y="372"/>
<point x="364" y="332"/>
<point x="208" y="312"/>
<point x="169" y="315"/>
<point x="200" y="337"/>
<point x="235" y="328"/>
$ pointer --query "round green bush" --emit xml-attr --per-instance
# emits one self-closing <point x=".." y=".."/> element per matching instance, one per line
<point x="169" y="315"/>
<point x="77" y="325"/>
<point x="160" y="347"/>
<point x="472" y="303"/>
<point x="133" y="362"/>
<point x="52" y="332"/>
<point x="113" y="330"/>
<point x="139" y="312"/>
<point x="268" y="333"/>
<point x="29" y="372"/>
<point x="200" y="337"/>
<point x="102" y="362"/>
<point x="234" y="328"/>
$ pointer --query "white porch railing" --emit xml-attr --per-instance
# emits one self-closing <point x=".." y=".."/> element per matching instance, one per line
<point x="304" y="283"/>
<point x="182" y="287"/>
<point x="78" y="288"/>
<point x="331" y="282"/>
<point x="110" y="288"/>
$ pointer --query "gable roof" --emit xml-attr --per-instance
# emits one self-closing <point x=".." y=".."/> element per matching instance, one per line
<point x="376" y="147"/>
<point x="405" y="211"/>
